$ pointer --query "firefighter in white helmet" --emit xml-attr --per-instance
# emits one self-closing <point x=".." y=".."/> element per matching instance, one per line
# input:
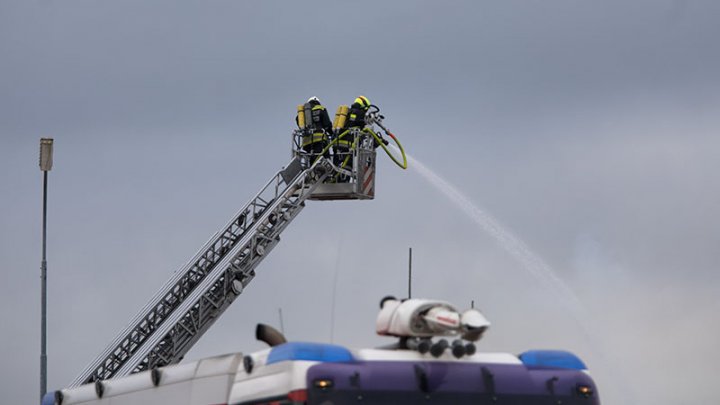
<point x="317" y="126"/>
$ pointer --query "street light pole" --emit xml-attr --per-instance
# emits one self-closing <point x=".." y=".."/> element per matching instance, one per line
<point x="46" y="155"/>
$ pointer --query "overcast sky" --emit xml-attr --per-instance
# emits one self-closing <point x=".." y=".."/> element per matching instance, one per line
<point x="587" y="129"/>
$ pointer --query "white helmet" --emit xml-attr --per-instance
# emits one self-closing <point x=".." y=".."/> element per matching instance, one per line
<point x="313" y="99"/>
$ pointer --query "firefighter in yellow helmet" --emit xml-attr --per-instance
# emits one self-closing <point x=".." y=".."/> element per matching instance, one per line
<point x="317" y="128"/>
<point x="356" y="118"/>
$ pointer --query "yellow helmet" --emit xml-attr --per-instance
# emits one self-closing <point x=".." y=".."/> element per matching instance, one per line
<point x="363" y="101"/>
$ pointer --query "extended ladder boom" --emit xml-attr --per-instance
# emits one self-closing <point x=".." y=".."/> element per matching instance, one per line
<point x="188" y="304"/>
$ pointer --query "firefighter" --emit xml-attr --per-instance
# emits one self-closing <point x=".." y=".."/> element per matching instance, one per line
<point x="355" y="119"/>
<point x="356" y="116"/>
<point x="317" y="128"/>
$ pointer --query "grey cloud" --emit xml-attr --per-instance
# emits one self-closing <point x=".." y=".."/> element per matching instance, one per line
<point x="588" y="129"/>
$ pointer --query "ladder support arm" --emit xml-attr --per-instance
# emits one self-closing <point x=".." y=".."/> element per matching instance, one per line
<point x="196" y="295"/>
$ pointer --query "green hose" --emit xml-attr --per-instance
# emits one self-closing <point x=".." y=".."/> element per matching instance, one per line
<point x="331" y="143"/>
<point x="402" y="165"/>
<point x="380" y="142"/>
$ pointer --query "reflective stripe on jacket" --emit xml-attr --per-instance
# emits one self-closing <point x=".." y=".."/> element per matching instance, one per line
<point x="310" y="139"/>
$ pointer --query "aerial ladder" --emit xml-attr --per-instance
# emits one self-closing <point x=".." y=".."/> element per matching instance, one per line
<point x="188" y="304"/>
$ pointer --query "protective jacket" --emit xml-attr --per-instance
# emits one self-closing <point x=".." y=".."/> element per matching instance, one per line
<point x="356" y="116"/>
<point x="318" y="124"/>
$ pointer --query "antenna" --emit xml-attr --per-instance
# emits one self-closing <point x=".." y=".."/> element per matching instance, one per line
<point x="410" y="273"/>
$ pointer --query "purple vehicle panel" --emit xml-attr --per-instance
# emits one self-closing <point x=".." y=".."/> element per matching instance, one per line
<point x="432" y="382"/>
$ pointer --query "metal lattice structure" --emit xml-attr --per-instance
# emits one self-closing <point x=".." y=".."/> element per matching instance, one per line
<point x="196" y="295"/>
